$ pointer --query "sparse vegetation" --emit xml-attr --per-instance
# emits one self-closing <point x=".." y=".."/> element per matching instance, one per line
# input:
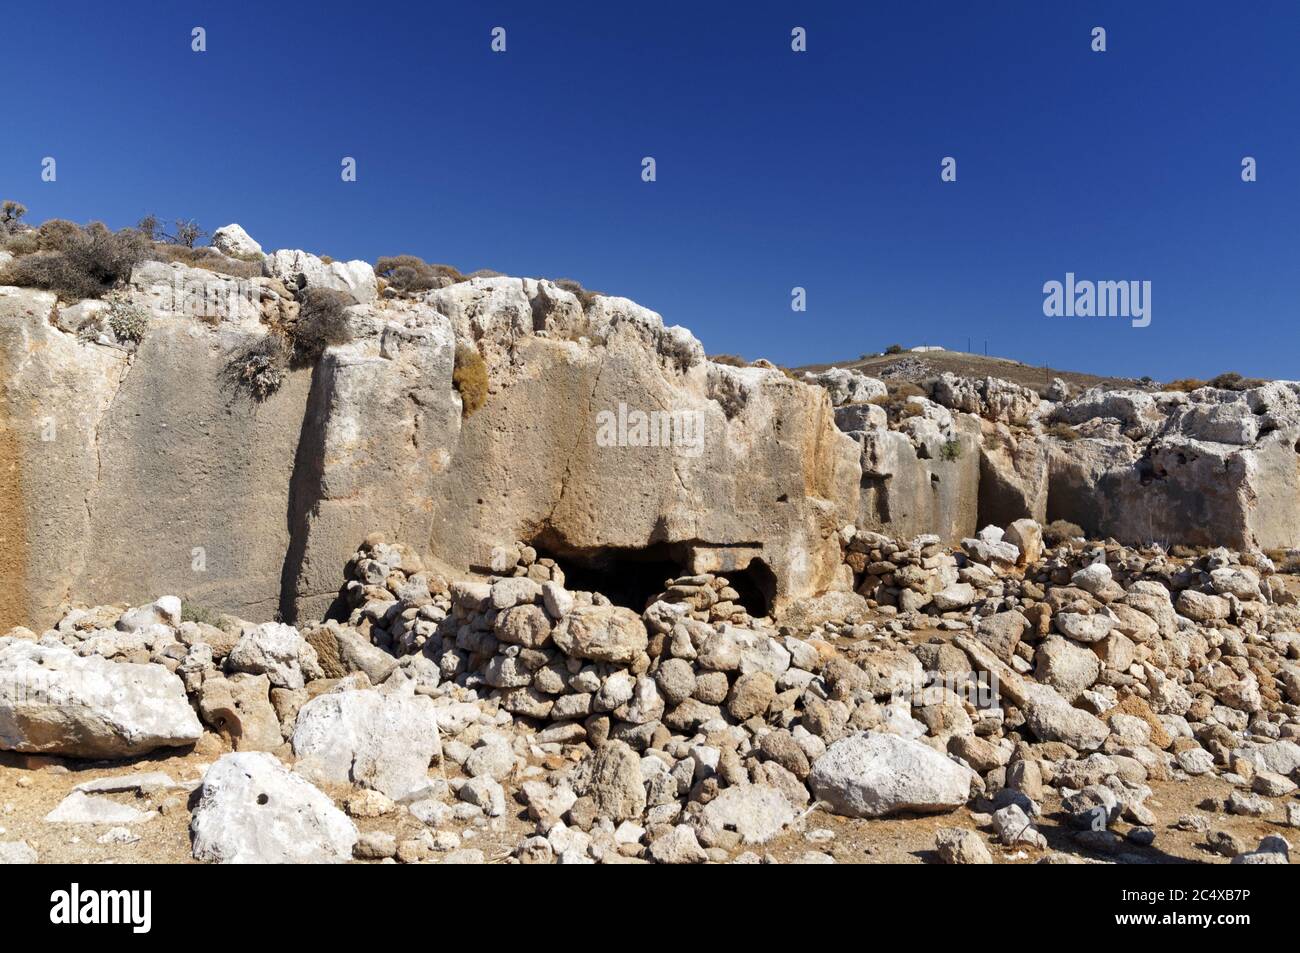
<point x="259" y="368"/>
<point x="1060" y="531"/>
<point x="11" y="214"/>
<point x="411" y="275"/>
<point x="1185" y="384"/>
<point x="470" y="378"/>
<point x="322" y="322"/>
<point x="76" y="262"/>
<point x="894" y="349"/>
<point x="1062" y="431"/>
<point x="951" y="450"/>
<point x="209" y="259"/>
<point x="731" y="360"/>
<point x="187" y="233"/>
<point x="895" y="401"/>
<point x="191" y="612"/>
<point x="585" y="295"/>
<point x="128" y="321"/>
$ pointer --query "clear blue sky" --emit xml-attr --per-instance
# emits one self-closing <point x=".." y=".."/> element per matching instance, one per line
<point x="775" y="169"/>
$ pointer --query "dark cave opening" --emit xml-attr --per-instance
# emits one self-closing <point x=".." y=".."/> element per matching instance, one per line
<point x="632" y="577"/>
<point x="756" y="585"/>
<point x="628" y="577"/>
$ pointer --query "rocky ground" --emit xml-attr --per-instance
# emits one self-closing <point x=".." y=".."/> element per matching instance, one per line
<point x="1005" y="701"/>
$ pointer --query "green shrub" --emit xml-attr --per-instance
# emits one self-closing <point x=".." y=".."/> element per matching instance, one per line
<point x="190" y="612"/>
<point x="1060" y="531"/>
<point x="951" y="450"/>
<point x="470" y="378"/>
<point x="894" y="349"/>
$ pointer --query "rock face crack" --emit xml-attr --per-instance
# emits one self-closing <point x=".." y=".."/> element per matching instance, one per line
<point x="92" y="492"/>
<point x="547" y="525"/>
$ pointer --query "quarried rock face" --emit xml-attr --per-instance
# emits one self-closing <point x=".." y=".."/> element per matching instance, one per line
<point x="922" y="482"/>
<point x="607" y="439"/>
<point x="636" y="443"/>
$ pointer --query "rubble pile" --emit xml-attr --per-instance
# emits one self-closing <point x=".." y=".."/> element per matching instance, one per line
<point x="985" y="682"/>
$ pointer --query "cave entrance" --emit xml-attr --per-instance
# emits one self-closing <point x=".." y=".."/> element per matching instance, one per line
<point x="627" y="577"/>
<point x="631" y="577"/>
<point x="756" y="584"/>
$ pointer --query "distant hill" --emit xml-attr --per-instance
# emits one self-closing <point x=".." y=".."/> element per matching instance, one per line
<point x="913" y="365"/>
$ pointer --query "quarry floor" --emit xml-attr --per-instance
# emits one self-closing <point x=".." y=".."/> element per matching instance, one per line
<point x="27" y="794"/>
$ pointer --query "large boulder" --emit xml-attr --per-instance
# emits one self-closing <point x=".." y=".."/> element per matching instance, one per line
<point x="234" y="241"/>
<point x="253" y="810"/>
<point x="755" y="811"/>
<point x="382" y="739"/>
<point x="53" y="701"/>
<point x="1051" y="718"/>
<point x="601" y="633"/>
<point x="874" y="775"/>
<point x="300" y="269"/>
<point x="277" y="651"/>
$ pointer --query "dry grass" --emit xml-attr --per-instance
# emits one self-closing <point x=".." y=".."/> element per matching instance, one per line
<point x="470" y="378"/>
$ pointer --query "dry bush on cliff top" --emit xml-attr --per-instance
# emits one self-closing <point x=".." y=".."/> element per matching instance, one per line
<point x="410" y="274"/>
<point x="76" y="262"/>
<point x="208" y="259"/>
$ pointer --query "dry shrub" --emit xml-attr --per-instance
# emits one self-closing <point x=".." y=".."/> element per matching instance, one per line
<point x="1185" y="384"/>
<point x="259" y="367"/>
<point x="470" y="378"/>
<point x="412" y="275"/>
<point x="731" y="360"/>
<point x="11" y="213"/>
<point x="77" y="262"/>
<point x="585" y="295"/>
<point x="1062" y="431"/>
<point x="1060" y="531"/>
<point x="322" y="322"/>
<point x="209" y="259"/>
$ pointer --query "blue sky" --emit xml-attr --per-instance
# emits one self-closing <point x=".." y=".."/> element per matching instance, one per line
<point x="775" y="169"/>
